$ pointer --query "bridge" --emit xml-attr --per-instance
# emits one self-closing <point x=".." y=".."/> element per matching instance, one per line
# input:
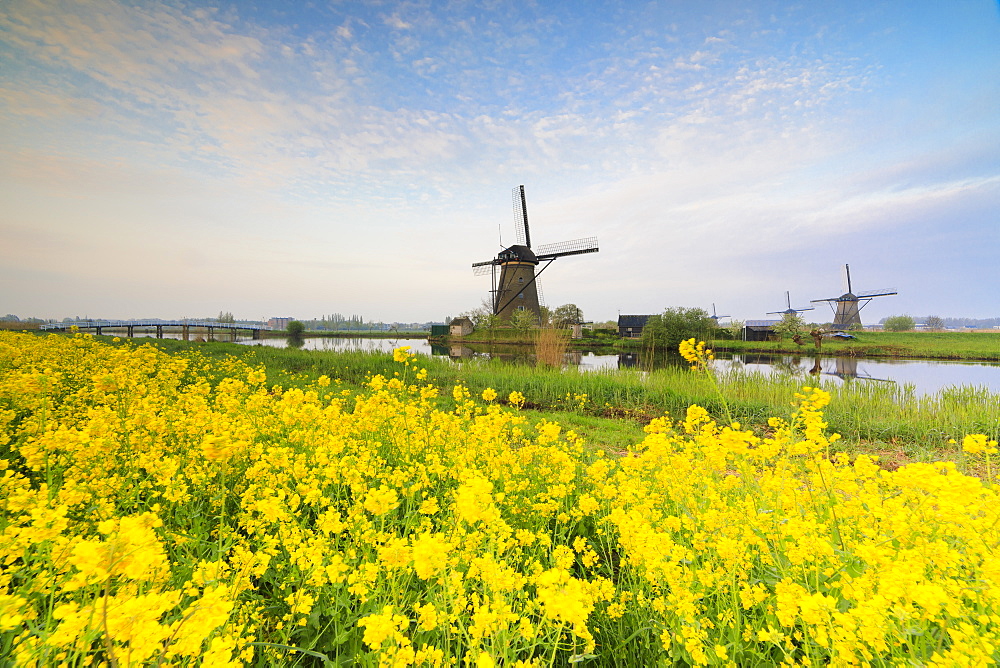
<point x="129" y="326"/>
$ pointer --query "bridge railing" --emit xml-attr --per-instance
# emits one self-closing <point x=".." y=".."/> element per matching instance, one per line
<point x="93" y="324"/>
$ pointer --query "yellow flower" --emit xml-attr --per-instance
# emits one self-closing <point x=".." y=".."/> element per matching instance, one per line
<point x="381" y="627"/>
<point x="474" y="501"/>
<point x="429" y="506"/>
<point x="516" y="399"/>
<point x="489" y="394"/>
<point x="975" y="444"/>
<point x="401" y="354"/>
<point x="380" y="501"/>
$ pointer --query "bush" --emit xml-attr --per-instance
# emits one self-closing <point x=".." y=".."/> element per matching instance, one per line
<point x="295" y="328"/>
<point x="676" y="324"/>
<point x="898" y="323"/>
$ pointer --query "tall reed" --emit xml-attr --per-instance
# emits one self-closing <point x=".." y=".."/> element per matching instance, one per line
<point x="550" y="347"/>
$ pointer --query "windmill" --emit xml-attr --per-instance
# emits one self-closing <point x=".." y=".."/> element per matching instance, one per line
<point x="790" y="310"/>
<point x="716" y="317"/>
<point x="517" y="288"/>
<point x="847" y="307"/>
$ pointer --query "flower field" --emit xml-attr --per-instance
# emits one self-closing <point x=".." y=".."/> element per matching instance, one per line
<point x="160" y="509"/>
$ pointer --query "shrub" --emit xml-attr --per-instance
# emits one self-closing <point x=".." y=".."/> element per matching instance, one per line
<point x="898" y="323"/>
<point x="676" y="324"/>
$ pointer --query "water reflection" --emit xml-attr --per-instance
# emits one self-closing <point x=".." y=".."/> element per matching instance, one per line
<point x="927" y="377"/>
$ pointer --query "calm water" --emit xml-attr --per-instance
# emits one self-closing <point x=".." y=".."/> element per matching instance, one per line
<point x="927" y="377"/>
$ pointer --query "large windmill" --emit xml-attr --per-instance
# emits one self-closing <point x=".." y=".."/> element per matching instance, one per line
<point x="517" y="287"/>
<point x="793" y="311"/>
<point x="847" y="307"/>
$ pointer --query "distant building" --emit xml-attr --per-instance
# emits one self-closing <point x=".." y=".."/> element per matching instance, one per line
<point x="461" y="327"/>
<point x="631" y="326"/>
<point x="279" y="323"/>
<point x="759" y="330"/>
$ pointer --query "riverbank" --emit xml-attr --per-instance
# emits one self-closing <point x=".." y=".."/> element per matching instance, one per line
<point x="983" y="346"/>
<point x="350" y="334"/>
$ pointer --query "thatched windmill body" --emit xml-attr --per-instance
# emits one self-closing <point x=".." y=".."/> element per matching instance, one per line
<point x="847" y="307"/>
<point x="516" y="287"/>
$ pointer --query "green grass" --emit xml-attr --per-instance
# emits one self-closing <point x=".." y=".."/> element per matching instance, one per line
<point x="918" y="345"/>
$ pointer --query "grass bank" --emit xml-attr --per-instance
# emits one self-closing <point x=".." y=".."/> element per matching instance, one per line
<point x="914" y="345"/>
<point x="612" y="407"/>
<point x="910" y="345"/>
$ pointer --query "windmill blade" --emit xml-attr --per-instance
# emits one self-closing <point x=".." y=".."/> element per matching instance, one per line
<point x="878" y="293"/>
<point x="574" y="247"/>
<point x="483" y="268"/>
<point x="521" y="217"/>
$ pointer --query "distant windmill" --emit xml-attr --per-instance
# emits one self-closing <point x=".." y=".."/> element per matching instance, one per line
<point x="794" y="311"/>
<point x="517" y="288"/>
<point x="847" y="307"/>
<point x="716" y="317"/>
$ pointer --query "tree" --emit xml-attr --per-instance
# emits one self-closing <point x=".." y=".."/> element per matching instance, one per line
<point x="898" y="323"/>
<point x="545" y="316"/>
<point x="735" y="329"/>
<point x="226" y="317"/>
<point x="566" y="315"/>
<point x="666" y="331"/>
<point x="791" y="324"/>
<point x="935" y="323"/>
<point x="523" y="320"/>
<point x="295" y="328"/>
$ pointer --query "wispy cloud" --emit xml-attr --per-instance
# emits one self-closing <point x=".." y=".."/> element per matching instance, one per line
<point x="729" y="134"/>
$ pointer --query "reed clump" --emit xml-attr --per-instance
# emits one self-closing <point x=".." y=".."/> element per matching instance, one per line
<point x="550" y="347"/>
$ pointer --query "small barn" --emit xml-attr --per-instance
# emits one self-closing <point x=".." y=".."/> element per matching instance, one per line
<point x="461" y="327"/>
<point x="759" y="330"/>
<point x="630" y="326"/>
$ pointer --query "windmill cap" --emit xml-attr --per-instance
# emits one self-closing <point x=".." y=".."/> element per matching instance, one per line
<point x="517" y="253"/>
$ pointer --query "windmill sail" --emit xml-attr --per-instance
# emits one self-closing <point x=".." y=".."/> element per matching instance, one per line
<point x="521" y="217"/>
<point x="574" y="247"/>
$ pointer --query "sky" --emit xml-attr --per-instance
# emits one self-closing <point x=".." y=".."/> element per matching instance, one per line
<point x="178" y="159"/>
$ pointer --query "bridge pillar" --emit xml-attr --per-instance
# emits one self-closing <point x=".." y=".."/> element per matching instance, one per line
<point x="211" y="333"/>
<point x="159" y="331"/>
<point x="232" y="335"/>
<point x="256" y="335"/>
<point x="98" y="328"/>
<point x="184" y="333"/>
<point x="131" y="331"/>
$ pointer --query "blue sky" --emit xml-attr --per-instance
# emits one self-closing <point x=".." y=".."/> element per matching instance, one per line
<point x="177" y="159"/>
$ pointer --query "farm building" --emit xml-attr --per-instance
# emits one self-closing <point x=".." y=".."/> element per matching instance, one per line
<point x="630" y="326"/>
<point x="461" y="327"/>
<point x="759" y="330"/>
